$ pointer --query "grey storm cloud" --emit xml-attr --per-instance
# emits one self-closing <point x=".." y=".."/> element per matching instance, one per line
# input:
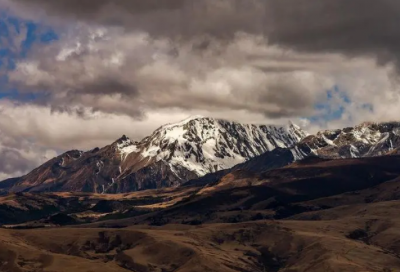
<point x="357" y="26"/>
<point x="173" y="18"/>
<point x="352" y="27"/>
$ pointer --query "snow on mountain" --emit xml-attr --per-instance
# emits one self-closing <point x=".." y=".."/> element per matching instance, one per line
<point x="176" y="153"/>
<point x="125" y="146"/>
<point x="364" y="140"/>
<point x="203" y="145"/>
<point x="170" y="156"/>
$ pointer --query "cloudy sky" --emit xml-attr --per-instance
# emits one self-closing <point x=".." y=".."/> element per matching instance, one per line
<point x="76" y="74"/>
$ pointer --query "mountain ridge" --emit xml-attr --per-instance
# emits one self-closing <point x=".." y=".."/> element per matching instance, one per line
<point x="365" y="140"/>
<point x="170" y="156"/>
<point x="180" y="153"/>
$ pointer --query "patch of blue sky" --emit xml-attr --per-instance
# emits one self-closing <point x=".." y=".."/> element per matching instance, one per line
<point x="332" y="107"/>
<point x="335" y="105"/>
<point x="14" y="48"/>
<point x="16" y="95"/>
<point x="48" y="37"/>
<point x="31" y="38"/>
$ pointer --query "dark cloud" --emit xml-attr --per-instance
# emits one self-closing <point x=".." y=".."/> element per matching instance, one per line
<point x="93" y="7"/>
<point x="103" y="86"/>
<point x="350" y="27"/>
<point x="178" y="18"/>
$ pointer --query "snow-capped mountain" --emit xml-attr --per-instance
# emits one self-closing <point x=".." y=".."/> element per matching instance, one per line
<point x="365" y="140"/>
<point x="204" y="145"/>
<point x="171" y="155"/>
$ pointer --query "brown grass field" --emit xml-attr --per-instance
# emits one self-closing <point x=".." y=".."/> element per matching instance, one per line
<point x="266" y="245"/>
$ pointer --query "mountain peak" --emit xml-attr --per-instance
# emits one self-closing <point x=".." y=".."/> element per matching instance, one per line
<point x="203" y="145"/>
<point x="291" y="124"/>
<point x="123" y="141"/>
<point x="296" y="131"/>
<point x="185" y="121"/>
<point x="194" y="117"/>
<point x="123" y="138"/>
<point x="125" y="146"/>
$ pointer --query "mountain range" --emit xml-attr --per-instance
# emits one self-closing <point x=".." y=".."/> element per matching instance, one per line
<point x="199" y="150"/>
<point x="170" y="156"/>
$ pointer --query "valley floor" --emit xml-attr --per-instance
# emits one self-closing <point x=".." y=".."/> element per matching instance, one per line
<point x="361" y="242"/>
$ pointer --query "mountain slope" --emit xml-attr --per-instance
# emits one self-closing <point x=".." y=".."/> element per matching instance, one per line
<point x="308" y="185"/>
<point x="171" y="155"/>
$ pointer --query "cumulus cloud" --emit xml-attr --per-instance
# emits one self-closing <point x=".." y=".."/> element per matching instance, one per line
<point x="130" y="73"/>
<point x="118" y="72"/>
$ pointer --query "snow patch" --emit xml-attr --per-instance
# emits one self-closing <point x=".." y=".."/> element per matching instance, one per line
<point x="329" y="142"/>
<point x="62" y="162"/>
<point x="99" y="165"/>
<point x="126" y="147"/>
<point x="353" y="151"/>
